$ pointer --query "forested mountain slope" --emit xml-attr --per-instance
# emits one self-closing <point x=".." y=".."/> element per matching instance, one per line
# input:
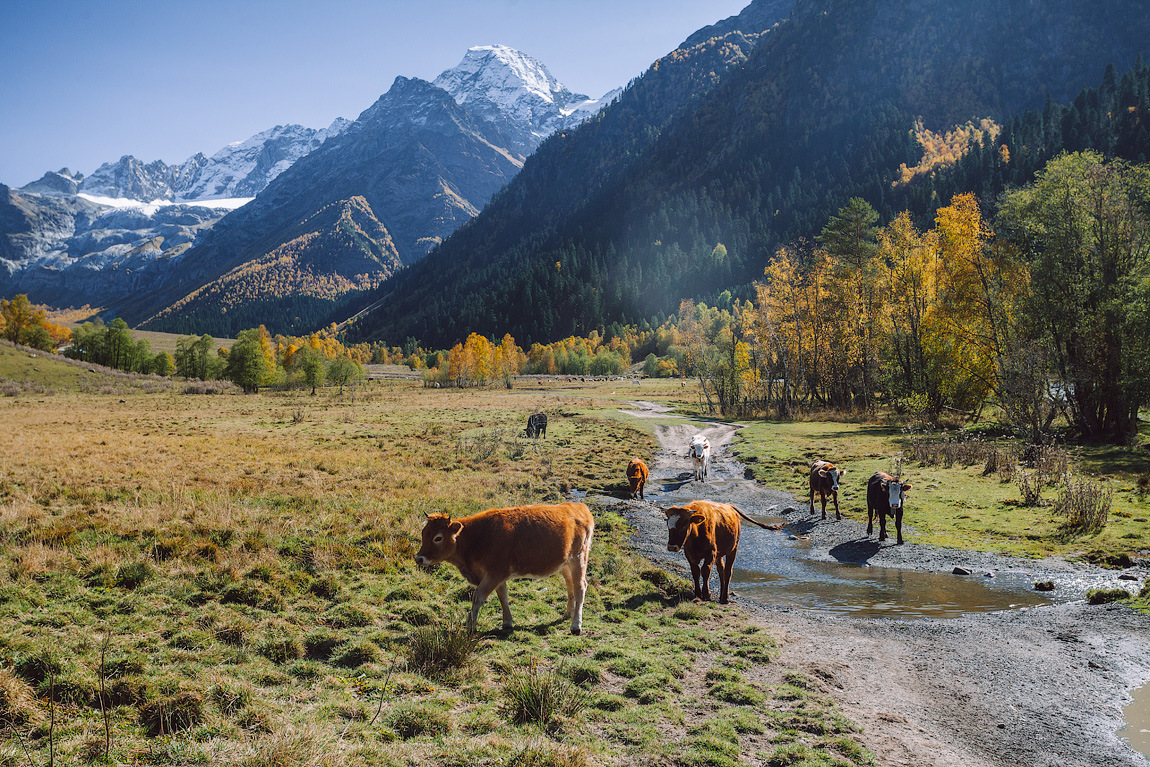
<point x="619" y="219"/>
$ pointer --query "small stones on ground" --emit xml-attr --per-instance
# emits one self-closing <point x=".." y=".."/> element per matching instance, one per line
<point x="960" y="571"/>
<point x="1127" y="577"/>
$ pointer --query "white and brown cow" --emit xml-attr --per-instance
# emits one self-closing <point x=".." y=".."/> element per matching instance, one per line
<point x="707" y="533"/>
<point x="700" y="453"/>
<point x="518" y="542"/>
<point x="825" y="481"/>
<point x="885" y="495"/>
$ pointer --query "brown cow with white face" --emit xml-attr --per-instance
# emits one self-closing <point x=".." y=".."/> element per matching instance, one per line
<point x="637" y="477"/>
<point x="706" y="533"/>
<point x="885" y="495"/>
<point x="825" y="481"/>
<point x="518" y="542"/>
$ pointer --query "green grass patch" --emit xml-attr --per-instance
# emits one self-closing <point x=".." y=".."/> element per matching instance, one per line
<point x="954" y="506"/>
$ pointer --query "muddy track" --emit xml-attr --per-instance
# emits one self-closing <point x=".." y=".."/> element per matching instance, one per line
<point x="1034" y="687"/>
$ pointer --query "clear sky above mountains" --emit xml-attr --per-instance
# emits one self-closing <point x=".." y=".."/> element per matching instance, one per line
<point x="87" y="82"/>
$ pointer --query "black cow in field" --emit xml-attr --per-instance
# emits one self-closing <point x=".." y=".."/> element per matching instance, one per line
<point x="885" y="495"/>
<point x="536" y="426"/>
<point x="825" y="482"/>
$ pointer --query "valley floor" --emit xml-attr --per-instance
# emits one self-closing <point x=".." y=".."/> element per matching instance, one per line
<point x="1037" y="687"/>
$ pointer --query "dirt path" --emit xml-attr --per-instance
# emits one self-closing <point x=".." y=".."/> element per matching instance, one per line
<point x="1034" y="687"/>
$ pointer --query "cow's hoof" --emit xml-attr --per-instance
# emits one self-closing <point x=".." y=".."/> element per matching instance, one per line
<point x="577" y="631"/>
<point x="507" y="626"/>
<point x="724" y="601"/>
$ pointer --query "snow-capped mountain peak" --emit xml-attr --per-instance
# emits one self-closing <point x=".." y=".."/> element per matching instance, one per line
<point x="507" y="79"/>
<point x="517" y="93"/>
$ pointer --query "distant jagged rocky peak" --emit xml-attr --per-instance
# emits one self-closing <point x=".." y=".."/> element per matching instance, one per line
<point x="244" y="168"/>
<point x="132" y="179"/>
<point x="55" y="183"/>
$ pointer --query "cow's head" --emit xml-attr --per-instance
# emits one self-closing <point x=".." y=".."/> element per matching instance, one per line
<point x="439" y="537"/>
<point x="896" y="491"/>
<point x="679" y="523"/>
<point x="833" y="475"/>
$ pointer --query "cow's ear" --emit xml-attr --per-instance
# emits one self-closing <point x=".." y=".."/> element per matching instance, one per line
<point x="885" y="484"/>
<point x="906" y="486"/>
<point x="454" y="528"/>
<point x="822" y="472"/>
<point x="842" y="472"/>
<point x="697" y="518"/>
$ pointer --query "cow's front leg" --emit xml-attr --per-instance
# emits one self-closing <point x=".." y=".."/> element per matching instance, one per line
<point x="898" y="524"/>
<point x="705" y="570"/>
<point x="695" y="577"/>
<point x="881" y="525"/>
<point x="823" y="498"/>
<point x="869" y="520"/>
<point x="812" y="501"/>
<point x="479" y="596"/>
<point x="838" y="514"/>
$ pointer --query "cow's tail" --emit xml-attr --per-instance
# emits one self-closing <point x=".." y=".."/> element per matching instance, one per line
<point x="744" y="516"/>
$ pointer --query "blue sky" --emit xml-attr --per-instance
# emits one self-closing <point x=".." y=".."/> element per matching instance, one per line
<point x="87" y="82"/>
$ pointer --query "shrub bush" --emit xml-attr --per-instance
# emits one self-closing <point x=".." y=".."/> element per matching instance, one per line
<point x="172" y="713"/>
<point x="440" y="649"/>
<point x="532" y="696"/>
<point x="1084" y="504"/>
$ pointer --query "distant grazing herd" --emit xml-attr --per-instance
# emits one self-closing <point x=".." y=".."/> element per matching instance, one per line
<point x="493" y="546"/>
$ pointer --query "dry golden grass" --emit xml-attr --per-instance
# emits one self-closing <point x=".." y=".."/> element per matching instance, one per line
<point x="251" y="559"/>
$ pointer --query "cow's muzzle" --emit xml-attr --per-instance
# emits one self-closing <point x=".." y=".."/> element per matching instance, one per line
<point x="673" y="548"/>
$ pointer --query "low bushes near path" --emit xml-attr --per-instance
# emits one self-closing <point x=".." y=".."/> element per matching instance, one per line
<point x="231" y="580"/>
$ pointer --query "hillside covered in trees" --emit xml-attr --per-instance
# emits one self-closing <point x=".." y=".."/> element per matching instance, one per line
<point x="657" y="199"/>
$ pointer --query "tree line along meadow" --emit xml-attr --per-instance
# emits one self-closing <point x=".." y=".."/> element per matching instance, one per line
<point x="1039" y="310"/>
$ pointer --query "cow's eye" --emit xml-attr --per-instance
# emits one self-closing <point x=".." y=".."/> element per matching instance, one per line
<point x="438" y="539"/>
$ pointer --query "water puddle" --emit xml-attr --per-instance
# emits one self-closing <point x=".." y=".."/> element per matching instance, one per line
<point x="1137" y="716"/>
<point x="775" y="567"/>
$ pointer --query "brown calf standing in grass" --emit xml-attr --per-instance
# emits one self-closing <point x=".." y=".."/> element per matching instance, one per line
<point x="885" y="495"/>
<point x="825" y="481"/>
<point x="707" y="533"/>
<point x="518" y="542"/>
<point x="637" y="477"/>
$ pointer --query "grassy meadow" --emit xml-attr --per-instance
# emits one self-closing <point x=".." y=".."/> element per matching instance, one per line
<point x="960" y="505"/>
<point x="227" y="579"/>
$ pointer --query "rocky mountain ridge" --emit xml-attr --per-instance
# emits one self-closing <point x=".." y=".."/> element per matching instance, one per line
<point x="418" y="163"/>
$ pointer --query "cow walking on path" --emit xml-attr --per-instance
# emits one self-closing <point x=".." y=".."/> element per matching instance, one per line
<point x="637" y="477"/>
<point x="885" y="495"/>
<point x="825" y="481"/>
<point x="707" y="533"/>
<point x="700" y="453"/>
<point x="518" y="542"/>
